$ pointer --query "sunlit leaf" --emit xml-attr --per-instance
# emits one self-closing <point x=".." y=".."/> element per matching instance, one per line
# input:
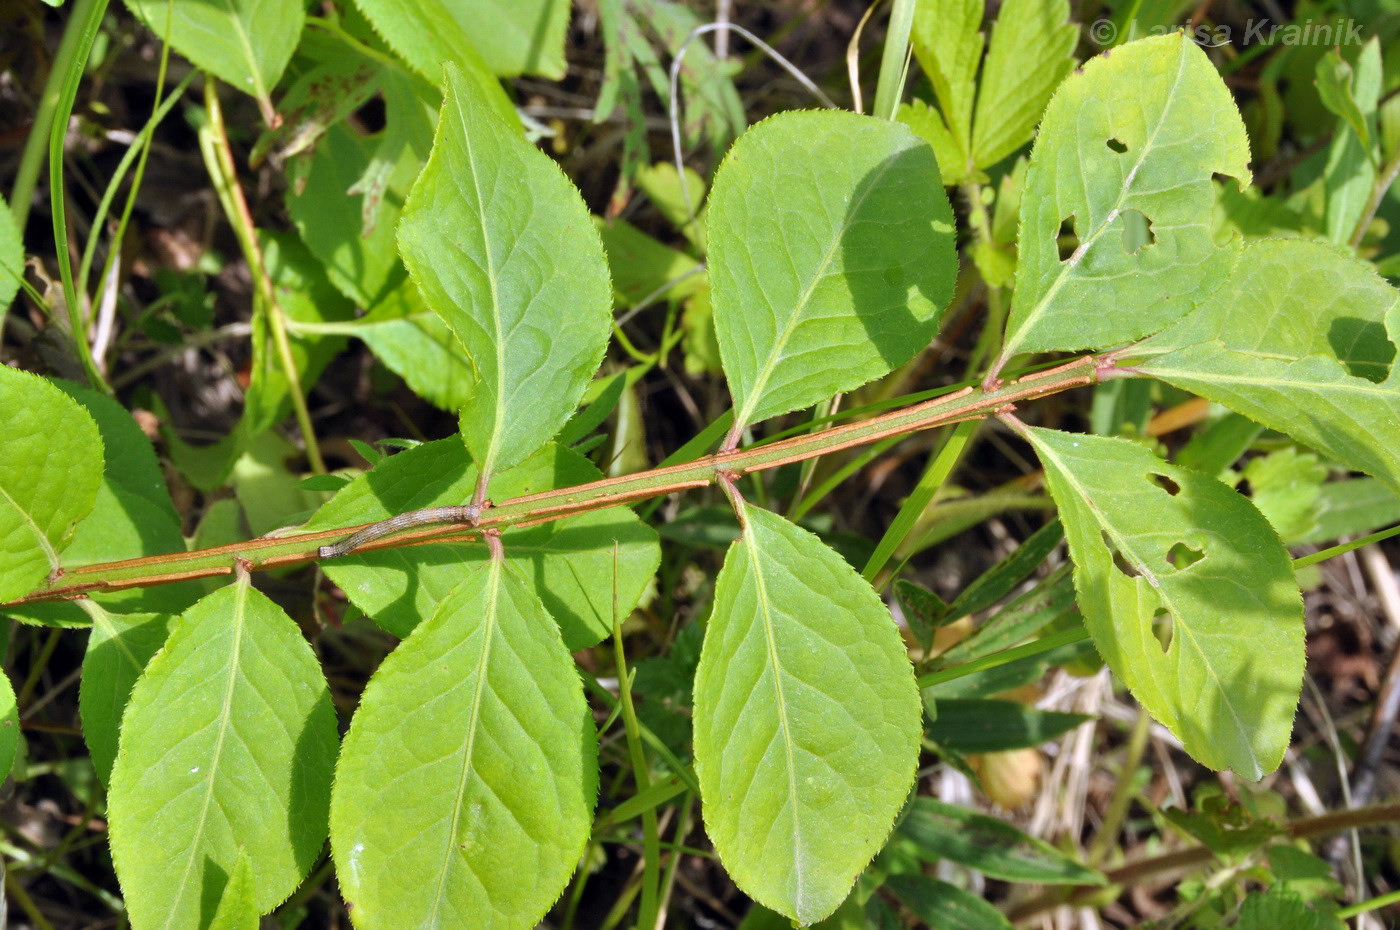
<point x="1132" y="138"/>
<point x="501" y="245"/>
<point x="227" y="747"/>
<point x="845" y="272"/>
<point x="49" y="477"/>
<point x="1167" y="555"/>
<point x="1301" y="339"/>
<point x="118" y="649"/>
<point x="806" y="720"/>
<point x="465" y="791"/>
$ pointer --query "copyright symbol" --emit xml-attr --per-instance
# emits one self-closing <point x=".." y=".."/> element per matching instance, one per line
<point x="1103" y="32"/>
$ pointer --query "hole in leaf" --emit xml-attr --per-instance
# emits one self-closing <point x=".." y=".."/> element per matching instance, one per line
<point x="1162" y="623"/>
<point x="1067" y="239"/>
<point x="1137" y="231"/>
<point x="1165" y="483"/>
<point x="1183" y="556"/>
<point x="1363" y="347"/>
<point x="1117" y="146"/>
<point x="1119" y="561"/>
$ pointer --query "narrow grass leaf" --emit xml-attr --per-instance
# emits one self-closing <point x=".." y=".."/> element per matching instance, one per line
<point x="502" y="246"/>
<point x="227" y="748"/>
<point x="49" y="477"/>
<point x="1188" y="593"/>
<point x="807" y="720"/>
<point x="1133" y="137"/>
<point x="991" y="846"/>
<point x="465" y="791"/>
<point x="9" y="726"/>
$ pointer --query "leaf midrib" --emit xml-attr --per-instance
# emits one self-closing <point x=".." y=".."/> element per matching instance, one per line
<point x="240" y="601"/>
<point x="50" y="552"/>
<point x="489" y="625"/>
<point x="770" y="643"/>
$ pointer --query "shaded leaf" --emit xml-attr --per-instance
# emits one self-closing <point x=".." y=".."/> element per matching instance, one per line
<point x="11" y="257"/>
<point x="852" y="260"/>
<point x="806" y="720"/>
<point x="465" y="791"/>
<point x="501" y="245"/>
<point x="947" y="907"/>
<point x="1162" y="551"/>
<point x="415" y="344"/>
<point x="226" y="749"/>
<point x="237" y="909"/>
<point x="983" y="725"/>
<point x="9" y="726"/>
<point x="1135" y="133"/>
<point x="245" y="43"/>
<point x="118" y="649"/>
<point x="49" y="477"/>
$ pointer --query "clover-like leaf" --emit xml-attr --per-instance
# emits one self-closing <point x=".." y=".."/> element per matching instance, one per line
<point x="1188" y="593"/>
<point x="807" y="720"/>
<point x="465" y="790"/>
<point x="1125" y="157"/>
<point x="844" y="272"/>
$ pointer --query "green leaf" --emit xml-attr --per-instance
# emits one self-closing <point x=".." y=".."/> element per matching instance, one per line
<point x="429" y="34"/>
<point x="991" y="846"/>
<point x="1275" y="908"/>
<point x="1301" y="339"/>
<point x="237" y="909"/>
<point x="1031" y="51"/>
<point x="947" y="41"/>
<point x="49" y="476"/>
<point x="465" y="791"/>
<point x="851" y="260"/>
<point x="129" y="460"/>
<point x="1132" y="135"/>
<point x="1334" y="79"/>
<point x="414" y="343"/>
<point x="927" y="123"/>
<point x="984" y="725"/>
<point x="1155" y="545"/>
<point x="501" y="245"/>
<point x="119" y="647"/>
<point x="227" y="748"/>
<point x="1353" y="507"/>
<point x="9" y="726"/>
<point x="1286" y="486"/>
<point x="947" y="907"/>
<point x="11" y="257"/>
<point x="245" y="43"/>
<point x="569" y="562"/>
<point x="806" y="720"/>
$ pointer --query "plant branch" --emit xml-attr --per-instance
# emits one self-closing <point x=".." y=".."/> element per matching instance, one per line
<point x="271" y="552"/>
<point x="1304" y="828"/>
